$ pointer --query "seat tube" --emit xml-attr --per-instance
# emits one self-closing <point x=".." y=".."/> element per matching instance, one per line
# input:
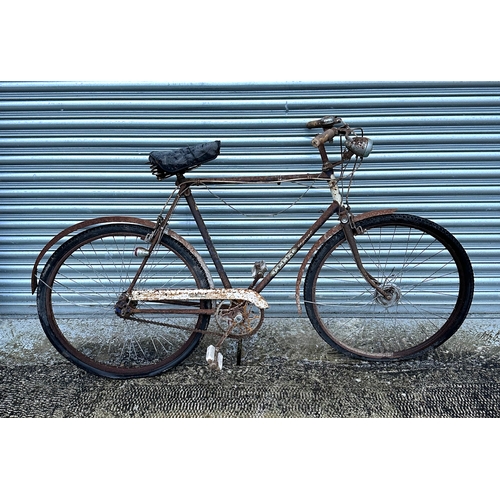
<point x="207" y="238"/>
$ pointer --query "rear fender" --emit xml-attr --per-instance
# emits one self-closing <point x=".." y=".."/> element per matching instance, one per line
<point x="109" y="220"/>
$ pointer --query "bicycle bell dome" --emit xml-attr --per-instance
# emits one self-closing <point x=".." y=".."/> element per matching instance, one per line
<point x="360" y="146"/>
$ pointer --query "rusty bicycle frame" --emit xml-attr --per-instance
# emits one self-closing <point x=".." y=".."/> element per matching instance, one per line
<point x="347" y="223"/>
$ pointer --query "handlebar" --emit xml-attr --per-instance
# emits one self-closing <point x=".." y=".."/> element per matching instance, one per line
<point x="326" y="136"/>
<point x="333" y="126"/>
<point x="314" y="124"/>
<point x="325" y="122"/>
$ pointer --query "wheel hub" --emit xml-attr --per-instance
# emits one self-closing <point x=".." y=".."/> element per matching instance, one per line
<point x="392" y="297"/>
<point x="125" y="307"/>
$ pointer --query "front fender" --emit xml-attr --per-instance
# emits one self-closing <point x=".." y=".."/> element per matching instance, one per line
<point x="109" y="220"/>
<point x="323" y="239"/>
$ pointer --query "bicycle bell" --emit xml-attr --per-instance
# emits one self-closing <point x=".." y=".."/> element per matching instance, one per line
<point x="360" y="146"/>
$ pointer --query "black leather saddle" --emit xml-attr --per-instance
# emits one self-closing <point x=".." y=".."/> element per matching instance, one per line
<point x="166" y="163"/>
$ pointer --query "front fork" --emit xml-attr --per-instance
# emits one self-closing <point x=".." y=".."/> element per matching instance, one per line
<point x="349" y="227"/>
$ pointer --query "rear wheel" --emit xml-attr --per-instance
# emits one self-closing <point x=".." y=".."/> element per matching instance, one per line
<point x="424" y="269"/>
<point x="81" y="313"/>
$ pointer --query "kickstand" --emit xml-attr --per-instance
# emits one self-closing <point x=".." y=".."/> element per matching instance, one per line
<point x="238" y="352"/>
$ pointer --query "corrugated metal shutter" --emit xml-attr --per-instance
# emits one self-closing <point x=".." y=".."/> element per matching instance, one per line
<point x="71" y="151"/>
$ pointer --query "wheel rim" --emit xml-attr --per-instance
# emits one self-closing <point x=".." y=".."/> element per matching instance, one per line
<point x="81" y="302"/>
<point x="419" y="270"/>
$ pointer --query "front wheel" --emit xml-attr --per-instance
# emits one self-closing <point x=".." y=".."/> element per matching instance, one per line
<point x="424" y="269"/>
<point x="81" y="308"/>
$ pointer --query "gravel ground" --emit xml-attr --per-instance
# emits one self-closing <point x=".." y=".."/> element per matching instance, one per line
<point x="284" y="373"/>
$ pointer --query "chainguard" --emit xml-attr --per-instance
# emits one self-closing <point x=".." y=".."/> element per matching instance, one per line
<point x="201" y="294"/>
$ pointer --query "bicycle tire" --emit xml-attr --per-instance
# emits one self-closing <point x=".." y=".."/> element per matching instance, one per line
<point x="425" y="268"/>
<point x="79" y="288"/>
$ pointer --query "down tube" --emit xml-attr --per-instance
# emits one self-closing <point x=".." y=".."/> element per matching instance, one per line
<point x="300" y="243"/>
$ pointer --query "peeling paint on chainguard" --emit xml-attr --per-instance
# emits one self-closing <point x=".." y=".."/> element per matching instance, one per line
<point x="200" y="294"/>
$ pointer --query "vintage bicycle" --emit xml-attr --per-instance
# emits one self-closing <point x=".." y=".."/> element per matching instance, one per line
<point x="127" y="297"/>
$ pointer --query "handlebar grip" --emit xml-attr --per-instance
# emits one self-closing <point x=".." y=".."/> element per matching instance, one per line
<point x="326" y="136"/>
<point x="314" y="123"/>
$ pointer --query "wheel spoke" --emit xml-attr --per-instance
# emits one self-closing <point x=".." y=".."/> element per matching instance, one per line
<point x="92" y="270"/>
<point x="422" y="268"/>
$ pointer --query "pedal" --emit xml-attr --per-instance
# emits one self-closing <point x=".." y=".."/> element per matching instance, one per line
<point x="214" y="358"/>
